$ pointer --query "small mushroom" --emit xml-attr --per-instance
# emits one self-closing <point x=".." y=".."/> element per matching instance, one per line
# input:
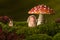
<point x="31" y="21"/>
<point x="41" y="9"/>
<point x="10" y="23"/>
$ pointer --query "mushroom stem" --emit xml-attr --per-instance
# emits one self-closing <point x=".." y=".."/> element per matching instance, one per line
<point x="40" y="19"/>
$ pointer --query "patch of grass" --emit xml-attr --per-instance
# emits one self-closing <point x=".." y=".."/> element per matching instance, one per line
<point x="50" y="29"/>
<point x="39" y="37"/>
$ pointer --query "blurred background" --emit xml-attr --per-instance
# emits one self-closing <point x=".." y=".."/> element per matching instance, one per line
<point x="18" y="9"/>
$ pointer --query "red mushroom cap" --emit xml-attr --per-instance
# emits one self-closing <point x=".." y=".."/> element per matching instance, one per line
<point x="43" y="9"/>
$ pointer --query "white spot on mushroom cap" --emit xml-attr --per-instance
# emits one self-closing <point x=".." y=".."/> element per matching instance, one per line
<point x="44" y="8"/>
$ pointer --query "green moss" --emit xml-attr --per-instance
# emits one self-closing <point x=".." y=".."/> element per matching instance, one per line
<point x="39" y="37"/>
<point x="57" y="37"/>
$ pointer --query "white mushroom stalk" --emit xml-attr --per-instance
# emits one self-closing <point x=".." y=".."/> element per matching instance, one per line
<point x="41" y="10"/>
<point x="40" y="19"/>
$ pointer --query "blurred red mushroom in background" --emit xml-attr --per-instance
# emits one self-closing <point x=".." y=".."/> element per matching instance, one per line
<point x="6" y="19"/>
<point x="40" y="9"/>
<point x="0" y="28"/>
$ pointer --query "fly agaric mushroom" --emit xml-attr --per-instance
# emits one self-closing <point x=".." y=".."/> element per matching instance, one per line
<point x="40" y="9"/>
<point x="10" y="23"/>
